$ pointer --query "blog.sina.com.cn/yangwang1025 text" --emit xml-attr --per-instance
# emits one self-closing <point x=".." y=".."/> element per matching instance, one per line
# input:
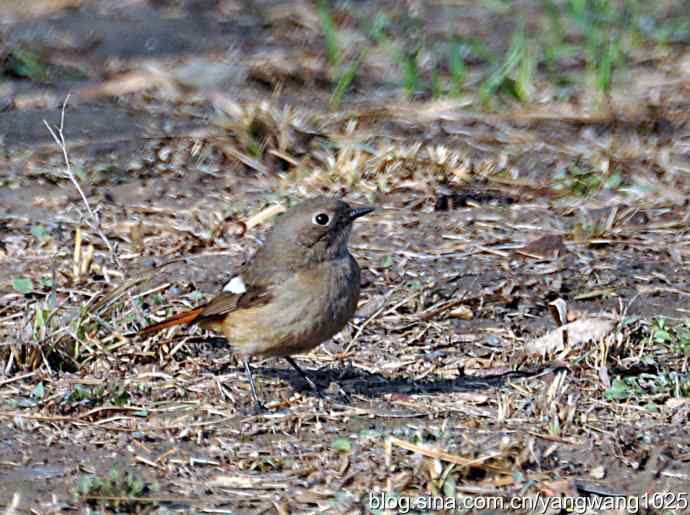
<point x="539" y="503"/>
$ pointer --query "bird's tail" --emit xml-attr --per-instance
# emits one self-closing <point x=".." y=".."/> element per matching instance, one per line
<point x="186" y="317"/>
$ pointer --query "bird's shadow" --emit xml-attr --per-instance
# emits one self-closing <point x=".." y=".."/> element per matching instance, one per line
<point x="356" y="381"/>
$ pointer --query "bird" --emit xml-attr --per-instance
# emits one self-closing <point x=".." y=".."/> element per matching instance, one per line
<point x="299" y="289"/>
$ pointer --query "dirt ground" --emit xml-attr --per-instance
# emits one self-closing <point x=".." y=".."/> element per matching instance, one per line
<point x="185" y="122"/>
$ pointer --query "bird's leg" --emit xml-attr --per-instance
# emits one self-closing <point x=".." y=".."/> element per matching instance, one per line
<point x="248" y="369"/>
<point x="304" y="376"/>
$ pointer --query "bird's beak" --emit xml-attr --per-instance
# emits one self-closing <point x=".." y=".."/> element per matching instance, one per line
<point x="360" y="211"/>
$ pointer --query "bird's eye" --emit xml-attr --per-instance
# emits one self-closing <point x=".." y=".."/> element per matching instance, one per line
<point x="321" y="219"/>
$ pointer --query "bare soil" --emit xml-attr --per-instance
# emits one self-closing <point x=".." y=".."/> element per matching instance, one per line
<point x="431" y="388"/>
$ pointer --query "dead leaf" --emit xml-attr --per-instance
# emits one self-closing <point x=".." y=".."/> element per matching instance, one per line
<point x="675" y="403"/>
<point x="559" y="311"/>
<point x="461" y="312"/>
<point x="549" y="246"/>
<point x="574" y="333"/>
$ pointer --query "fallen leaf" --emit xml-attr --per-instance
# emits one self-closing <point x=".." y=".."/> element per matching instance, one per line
<point x="23" y="285"/>
<point x="574" y="333"/>
<point x="461" y="312"/>
<point x="675" y="402"/>
<point x="549" y="246"/>
<point x="559" y="311"/>
<point x="341" y="444"/>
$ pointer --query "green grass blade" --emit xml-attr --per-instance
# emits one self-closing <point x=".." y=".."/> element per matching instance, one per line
<point x="345" y="81"/>
<point x="330" y="34"/>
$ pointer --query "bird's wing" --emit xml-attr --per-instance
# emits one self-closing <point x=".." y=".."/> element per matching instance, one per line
<point x="236" y="295"/>
<point x="253" y="294"/>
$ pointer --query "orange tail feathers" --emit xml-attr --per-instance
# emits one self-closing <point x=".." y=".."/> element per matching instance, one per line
<point x="187" y="317"/>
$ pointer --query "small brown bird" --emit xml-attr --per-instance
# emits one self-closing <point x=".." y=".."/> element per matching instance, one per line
<point x="299" y="289"/>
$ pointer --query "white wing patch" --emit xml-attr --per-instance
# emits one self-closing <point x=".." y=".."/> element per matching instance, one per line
<point x="236" y="285"/>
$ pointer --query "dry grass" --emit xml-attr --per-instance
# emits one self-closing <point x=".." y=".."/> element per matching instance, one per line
<point x="435" y="387"/>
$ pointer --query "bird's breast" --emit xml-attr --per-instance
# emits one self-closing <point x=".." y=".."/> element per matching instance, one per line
<point x="307" y="308"/>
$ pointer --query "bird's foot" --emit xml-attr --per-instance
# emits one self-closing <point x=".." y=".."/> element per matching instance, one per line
<point x="259" y="408"/>
<point x="314" y="388"/>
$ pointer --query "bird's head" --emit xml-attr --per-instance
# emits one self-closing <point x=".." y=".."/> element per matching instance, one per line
<point x="313" y="231"/>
